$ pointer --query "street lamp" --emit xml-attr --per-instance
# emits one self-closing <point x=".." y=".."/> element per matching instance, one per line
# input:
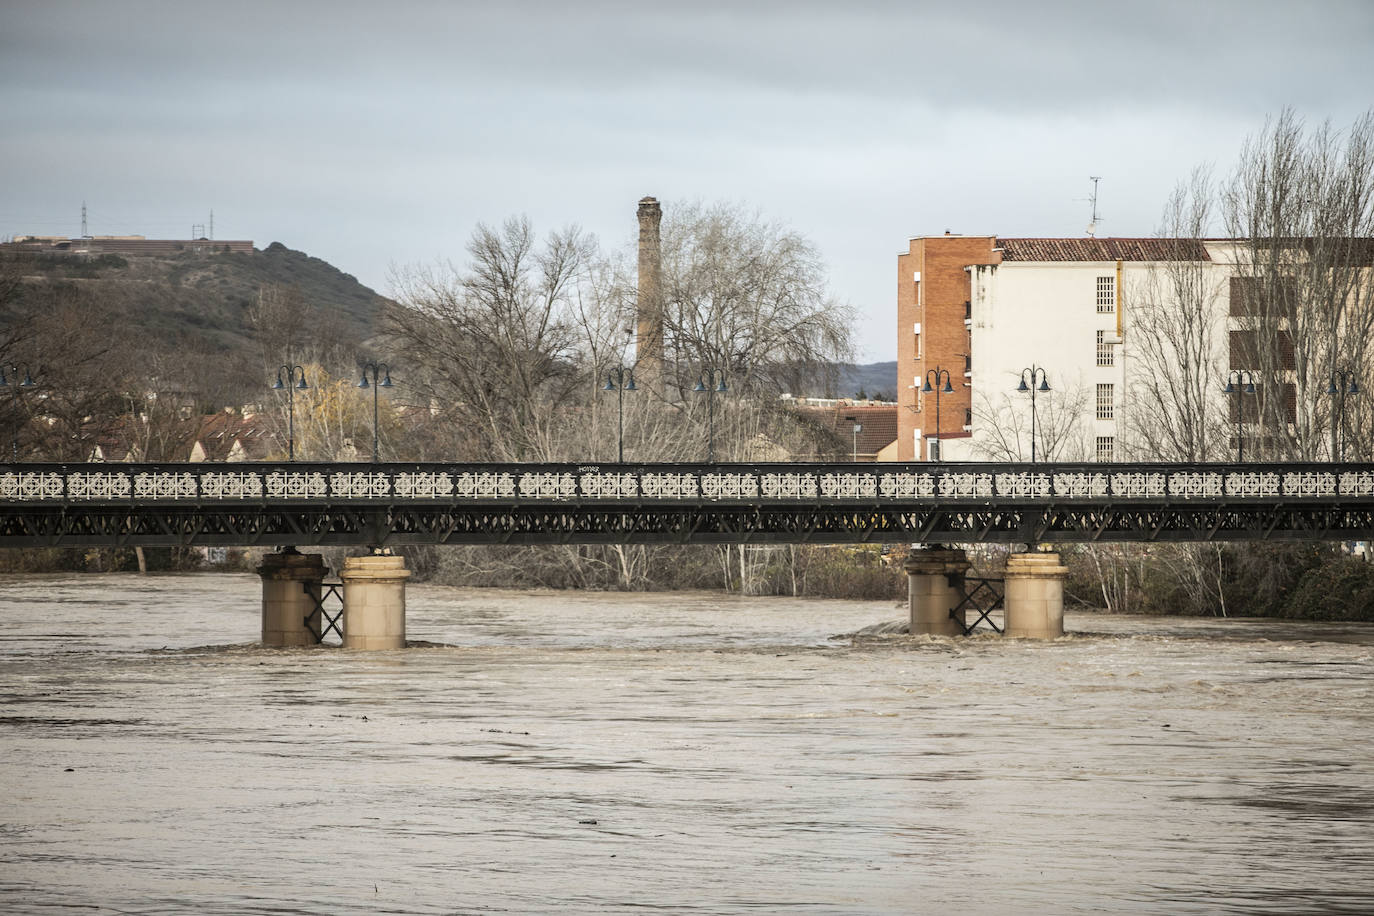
<point x="858" y="428"/>
<point x="1346" y="387"/>
<point x="376" y="369"/>
<point x="927" y="388"/>
<point x="292" y="386"/>
<point x="28" y="382"/>
<point x="1033" y="371"/>
<point x="620" y="380"/>
<point x="712" y="381"/>
<point x="1238" y="382"/>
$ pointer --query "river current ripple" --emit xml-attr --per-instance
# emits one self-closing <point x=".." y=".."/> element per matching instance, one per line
<point x="558" y="752"/>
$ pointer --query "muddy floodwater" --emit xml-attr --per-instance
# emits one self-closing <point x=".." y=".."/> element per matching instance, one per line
<point x="557" y="752"/>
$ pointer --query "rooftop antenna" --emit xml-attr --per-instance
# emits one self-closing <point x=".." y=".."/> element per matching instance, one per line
<point x="1096" y="217"/>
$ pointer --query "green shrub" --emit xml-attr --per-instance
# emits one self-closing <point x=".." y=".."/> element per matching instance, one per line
<point x="41" y="559"/>
<point x="1340" y="590"/>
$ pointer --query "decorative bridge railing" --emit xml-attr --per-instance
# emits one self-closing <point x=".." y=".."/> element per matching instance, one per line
<point x="301" y="503"/>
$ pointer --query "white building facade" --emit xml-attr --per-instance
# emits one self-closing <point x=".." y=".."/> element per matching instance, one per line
<point x="1055" y="341"/>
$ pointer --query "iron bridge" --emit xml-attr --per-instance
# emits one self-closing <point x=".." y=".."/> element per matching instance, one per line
<point x="276" y="504"/>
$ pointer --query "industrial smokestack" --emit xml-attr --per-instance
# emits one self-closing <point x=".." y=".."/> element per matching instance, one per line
<point x="649" y="305"/>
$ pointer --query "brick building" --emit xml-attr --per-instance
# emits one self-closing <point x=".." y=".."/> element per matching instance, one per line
<point x="984" y="309"/>
<point x="932" y="334"/>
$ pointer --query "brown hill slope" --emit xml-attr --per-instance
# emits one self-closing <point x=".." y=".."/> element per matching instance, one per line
<point x="209" y="298"/>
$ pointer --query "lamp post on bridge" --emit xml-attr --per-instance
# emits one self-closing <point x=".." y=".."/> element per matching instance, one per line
<point x="1033" y="371"/>
<point x="927" y="388"/>
<point x="620" y="380"/>
<point x="1240" y="381"/>
<point x="376" y="369"/>
<point x="292" y="385"/>
<point x="1342" y="385"/>
<point x="28" y="382"/>
<point x="711" y="381"/>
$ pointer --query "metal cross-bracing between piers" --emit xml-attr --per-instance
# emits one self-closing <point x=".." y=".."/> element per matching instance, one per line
<point x="393" y="504"/>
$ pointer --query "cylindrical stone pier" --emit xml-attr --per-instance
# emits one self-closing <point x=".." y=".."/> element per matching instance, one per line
<point x="1034" y="600"/>
<point x="290" y="598"/>
<point x="935" y="579"/>
<point x="374" y="602"/>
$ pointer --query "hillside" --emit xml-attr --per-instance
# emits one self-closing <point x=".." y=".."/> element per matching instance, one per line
<point x="875" y="380"/>
<point x="208" y="297"/>
<point x="204" y="302"/>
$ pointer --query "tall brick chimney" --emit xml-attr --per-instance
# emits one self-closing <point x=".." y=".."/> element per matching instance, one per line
<point x="649" y="303"/>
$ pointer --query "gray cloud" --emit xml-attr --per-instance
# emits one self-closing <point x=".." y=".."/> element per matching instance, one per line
<point x="370" y="133"/>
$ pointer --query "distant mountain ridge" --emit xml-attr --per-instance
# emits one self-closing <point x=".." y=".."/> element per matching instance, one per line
<point x="873" y="380"/>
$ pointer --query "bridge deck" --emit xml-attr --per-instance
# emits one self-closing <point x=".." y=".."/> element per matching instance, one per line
<point x="341" y="504"/>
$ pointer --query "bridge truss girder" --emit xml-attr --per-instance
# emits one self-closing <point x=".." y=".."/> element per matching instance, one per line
<point x="696" y="523"/>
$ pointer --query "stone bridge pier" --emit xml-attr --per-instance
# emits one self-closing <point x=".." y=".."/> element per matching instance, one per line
<point x="291" y="585"/>
<point x="1033" y="598"/>
<point x="374" y="600"/>
<point x="935" y="585"/>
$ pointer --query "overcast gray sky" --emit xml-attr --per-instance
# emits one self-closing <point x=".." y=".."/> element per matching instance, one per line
<point x="378" y="133"/>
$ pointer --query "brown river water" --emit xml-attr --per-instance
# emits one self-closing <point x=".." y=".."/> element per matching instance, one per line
<point x="555" y="752"/>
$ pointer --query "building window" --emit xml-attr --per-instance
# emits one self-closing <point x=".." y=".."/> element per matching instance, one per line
<point x="1106" y="356"/>
<point x="1106" y="409"/>
<point x="932" y="449"/>
<point x="968" y="418"/>
<point x="1251" y="350"/>
<point x="1267" y="297"/>
<point x="1106" y="448"/>
<point x="1106" y="295"/>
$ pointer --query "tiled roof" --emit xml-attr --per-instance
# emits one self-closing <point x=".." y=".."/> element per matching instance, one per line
<point x="219" y="433"/>
<point x="879" y="424"/>
<point x="1108" y="249"/>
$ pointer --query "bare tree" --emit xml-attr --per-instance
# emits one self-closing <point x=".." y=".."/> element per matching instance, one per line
<point x="163" y="399"/>
<point x="1303" y="203"/>
<point x="79" y="351"/>
<point x="1300" y="209"/>
<point x="495" y="343"/>
<point x="511" y="351"/>
<point x="1178" y="338"/>
<point x="1005" y="423"/>
<point x="279" y="319"/>
<point x="291" y="331"/>
<point x="749" y="297"/>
